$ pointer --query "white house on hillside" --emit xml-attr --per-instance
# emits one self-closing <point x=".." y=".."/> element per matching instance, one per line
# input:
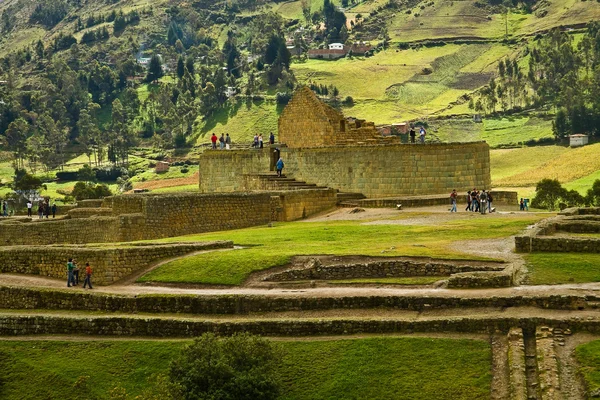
<point x="336" y="46"/>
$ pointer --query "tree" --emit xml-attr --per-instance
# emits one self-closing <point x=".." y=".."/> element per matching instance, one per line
<point x="16" y="138"/>
<point x="155" y="70"/>
<point x="180" y="67"/>
<point x="306" y="6"/>
<point x="189" y="65"/>
<point x="240" y="367"/>
<point x="548" y="192"/>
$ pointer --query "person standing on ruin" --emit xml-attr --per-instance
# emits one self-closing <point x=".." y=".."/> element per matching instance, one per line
<point x="29" y="208"/>
<point x="70" y="268"/>
<point x="272" y="138"/>
<point x="483" y="201"/>
<point x="88" y="276"/>
<point x="213" y="140"/>
<point x="422" y="133"/>
<point x="279" y="166"/>
<point x="413" y="135"/>
<point x="222" y="142"/>
<point x="468" y="201"/>
<point x="54" y="208"/>
<point x="255" y="141"/>
<point x="474" y="202"/>
<point x="5" y="208"/>
<point x="75" y="273"/>
<point x="41" y="209"/>
<point x="453" y="197"/>
<point x="47" y="208"/>
<point x="490" y="199"/>
<point x="228" y="142"/>
<point x="260" y="141"/>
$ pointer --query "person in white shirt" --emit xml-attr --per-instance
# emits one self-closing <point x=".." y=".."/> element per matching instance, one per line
<point x="29" y="207"/>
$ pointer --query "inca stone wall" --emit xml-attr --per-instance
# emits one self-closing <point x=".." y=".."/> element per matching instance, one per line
<point x="109" y="264"/>
<point x="75" y="231"/>
<point x="385" y="171"/>
<point x="375" y="171"/>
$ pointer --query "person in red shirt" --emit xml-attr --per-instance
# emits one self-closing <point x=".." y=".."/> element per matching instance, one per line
<point x="88" y="276"/>
<point x="214" y="139"/>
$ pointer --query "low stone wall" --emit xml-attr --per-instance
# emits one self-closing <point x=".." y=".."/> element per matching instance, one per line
<point x="429" y="201"/>
<point x="303" y="203"/>
<point x="540" y="239"/>
<point x="379" y="269"/>
<point x="109" y="264"/>
<point x="90" y="212"/>
<point x="74" y="231"/>
<point x="31" y="298"/>
<point x="14" y="325"/>
<point x="480" y="280"/>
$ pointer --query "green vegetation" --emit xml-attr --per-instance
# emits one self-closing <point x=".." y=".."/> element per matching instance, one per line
<point x="588" y="356"/>
<point x="271" y="247"/>
<point x="561" y="268"/>
<point x="376" y="368"/>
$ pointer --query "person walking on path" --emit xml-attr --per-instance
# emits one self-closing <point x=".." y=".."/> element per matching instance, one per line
<point x="453" y="196"/>
<point x="70" y="268"/>
<point x="75" y="272"/>
<point x="413" y="135"/>
<point x="255" y="141"/>
<point x="213" y="140"/>
<point x="54" y="208"/>
<point x="41" y="210"/>
<point x="483" y="201"/>
<point x="29" y="208"/>
<point x="489" y="200"/>
<point x="88" y="276"/>
<point x="474" y="202"/>
<point x="5" y="208"/>
<point x="468" y="201"/>
<point x="228" y="142"/>
<point x="272" y="138"/>
<point x="279" y="166"/>
<point x="47" y="208"/>
<point x="422" y="133"/>
<point x="260" y="141"/>
<point x="222" y="142"/>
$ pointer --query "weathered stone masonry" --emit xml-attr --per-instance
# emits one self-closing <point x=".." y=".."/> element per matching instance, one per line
<point x="109" y="264"/>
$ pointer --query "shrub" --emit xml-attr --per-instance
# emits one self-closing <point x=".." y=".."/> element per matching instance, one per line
<point x="349" y="101"/>
<point x="185" y="170"/>
<point x="84" y="191"/>
<point x="239" y="367"/>
<point x="283" y="98"/>
<point x="67" y="176"/>
<point x="110" y="174"/>
<point x="25" y="181"/>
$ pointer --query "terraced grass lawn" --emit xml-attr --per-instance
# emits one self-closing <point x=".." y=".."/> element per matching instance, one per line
<point x="374" y="368"/>
<point x="271" y="247"/>
<point x="560" y="268"/>
<point x="588" y="356"/>
<point x="564" y="164"/>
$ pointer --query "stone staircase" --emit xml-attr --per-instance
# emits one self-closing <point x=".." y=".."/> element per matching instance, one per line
<point x="349" y="199"/>
<point x="273" y="182"/>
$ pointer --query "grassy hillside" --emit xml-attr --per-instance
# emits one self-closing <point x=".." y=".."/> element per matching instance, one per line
<point x="376" y="368"/>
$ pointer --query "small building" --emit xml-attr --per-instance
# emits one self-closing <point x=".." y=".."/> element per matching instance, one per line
<point x="578" y="140"/>
<point x="230" y="91"/>
<point x="326" y="54"/>
<point x="161" y="166"/>
<point x="336" y="46"/>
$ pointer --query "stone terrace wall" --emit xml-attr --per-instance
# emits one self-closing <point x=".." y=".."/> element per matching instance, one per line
<point x="75" y="231"/>
<point x="303" y="203"/>
<point x="49" y="299"/>
<point x="109" y="264"/>
<point x="226" y="171"/>
<point x="376" y="171"/>
<point x="385" y="171"/>
<point x="186" y="213"/>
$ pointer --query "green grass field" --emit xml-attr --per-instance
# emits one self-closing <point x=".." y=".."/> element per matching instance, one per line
<point x="376" y="368"/>
<point x="271" y="247"/>
<point x="559" y="268"/>
<point x="588" y="357"/>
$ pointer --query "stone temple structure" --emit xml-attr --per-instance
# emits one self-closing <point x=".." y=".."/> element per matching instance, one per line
<point x="322" y="147"/>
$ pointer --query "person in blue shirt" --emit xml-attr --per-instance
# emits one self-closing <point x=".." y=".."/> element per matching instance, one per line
<point x="279" y="166"/>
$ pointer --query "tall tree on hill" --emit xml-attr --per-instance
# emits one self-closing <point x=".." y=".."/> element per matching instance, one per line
<point x="189" y="65"/>
<point x="334" y="20"/>
<point x="155" y="71"/>
<point x="16" y="140"/>
<point x="180" y="67"/>
<point x="88" y="132"/>
<point x="232" y="55"/>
